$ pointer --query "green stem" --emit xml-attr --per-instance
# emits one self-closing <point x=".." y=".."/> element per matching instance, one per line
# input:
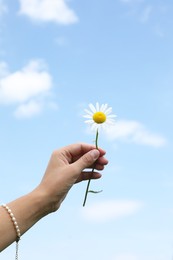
<point x="96" y="141"/>
<point x="86" y="192"/>
<point x="87" y="189"/>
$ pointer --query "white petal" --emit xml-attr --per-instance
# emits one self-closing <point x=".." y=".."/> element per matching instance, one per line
<point x="108" y="111"/>
<point x="108" y="116"/>
<point x="88" y="121"/>
<point x="97" y="106"/>
<point x="94" y="127"/>
<point x="102" y="107"/>
<point x="103" y="125"/>
<point x="88" y="112"/>
<point x="93" y="109"/>
<point x="87" y="116"/>
<point x="105" y="107"/>
<point x="110" y="122"/>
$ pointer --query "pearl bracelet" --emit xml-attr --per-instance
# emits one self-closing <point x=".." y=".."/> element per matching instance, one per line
<point x="14" y="221"/>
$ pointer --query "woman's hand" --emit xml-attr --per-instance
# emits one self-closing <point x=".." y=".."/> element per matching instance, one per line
<point x="70" y="165"/>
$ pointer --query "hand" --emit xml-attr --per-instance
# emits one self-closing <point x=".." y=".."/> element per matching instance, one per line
<point x="67" y="166"/>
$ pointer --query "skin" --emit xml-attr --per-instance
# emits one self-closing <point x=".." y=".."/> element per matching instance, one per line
<point x="67" y="166"/>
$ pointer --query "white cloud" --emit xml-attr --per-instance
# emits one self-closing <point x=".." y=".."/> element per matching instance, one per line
<point x="134" y="132"/>
<point x="28" y="110"/>
<point x="27" y="88"/>
<point x="111" y="209"/>
<point x="48" y="11"/>
<point x="31" y="81"/>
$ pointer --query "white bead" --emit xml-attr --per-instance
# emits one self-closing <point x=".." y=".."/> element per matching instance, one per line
<point x="13" y="220"/>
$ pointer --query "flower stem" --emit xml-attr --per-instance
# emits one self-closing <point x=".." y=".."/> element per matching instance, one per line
<point x="96" y="141"/>
<point x="87" y="189"/>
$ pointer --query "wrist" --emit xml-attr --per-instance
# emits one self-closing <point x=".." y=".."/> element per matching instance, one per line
<point x="29" y="209"/>
<point x="45" y="202"/>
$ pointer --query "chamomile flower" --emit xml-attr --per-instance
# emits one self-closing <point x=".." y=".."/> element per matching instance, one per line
<point x="99" y="116"/>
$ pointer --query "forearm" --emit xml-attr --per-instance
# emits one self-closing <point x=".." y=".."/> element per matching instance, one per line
<point x="27" y="210"/>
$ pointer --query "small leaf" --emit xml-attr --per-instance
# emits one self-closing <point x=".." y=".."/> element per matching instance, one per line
<point x="92" y="191"/>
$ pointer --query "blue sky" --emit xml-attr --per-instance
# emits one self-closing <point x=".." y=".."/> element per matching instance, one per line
<point x="58" y="56"/>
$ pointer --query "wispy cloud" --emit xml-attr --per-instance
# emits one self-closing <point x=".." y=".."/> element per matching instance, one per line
<point x="27" y="88"/>
<point x="139" y="8"/>
<point x="134" y="132"/>
<point x="111" y="209"/>
<point x="29" y="109"/>
<point x="48" y="11"/>
<point x="146" y="13"/>
<point x="3" y="8"/>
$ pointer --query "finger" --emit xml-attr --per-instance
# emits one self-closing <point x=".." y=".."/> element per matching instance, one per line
<point x="99" y="164"/>
<point x="102" y="160"/>
<point x="99" y="167"/>
<point x="87" y="159"/>
<point x="88" y="175"/>
<point x="74" y="151"/>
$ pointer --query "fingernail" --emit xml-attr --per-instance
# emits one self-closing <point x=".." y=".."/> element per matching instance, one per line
<point x="95" y="154"/>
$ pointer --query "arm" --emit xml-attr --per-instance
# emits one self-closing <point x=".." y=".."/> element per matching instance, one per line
<point x="66" y="167"/>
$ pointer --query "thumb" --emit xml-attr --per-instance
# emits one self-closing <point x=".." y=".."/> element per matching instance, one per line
<point x="87" y="159"/>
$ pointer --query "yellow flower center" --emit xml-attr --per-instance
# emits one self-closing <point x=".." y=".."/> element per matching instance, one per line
<point x="99" y="117"/>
